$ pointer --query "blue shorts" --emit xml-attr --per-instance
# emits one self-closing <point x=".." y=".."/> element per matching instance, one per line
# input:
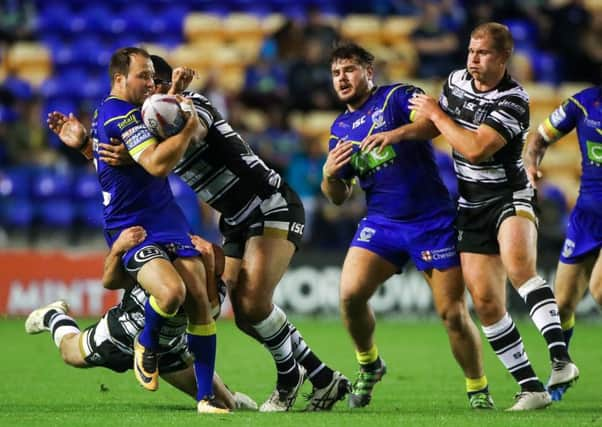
<point x="583" y="236"/>
<point x="429" y="242"/>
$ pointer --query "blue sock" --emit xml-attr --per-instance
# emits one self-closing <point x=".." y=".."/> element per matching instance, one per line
<point x="202" y="343"/>
<point x="154" y="319"/>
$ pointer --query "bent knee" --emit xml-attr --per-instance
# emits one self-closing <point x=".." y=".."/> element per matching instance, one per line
<point x="454" y="317"/>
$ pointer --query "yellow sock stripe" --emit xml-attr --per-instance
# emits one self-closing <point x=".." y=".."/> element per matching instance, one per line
<point x="476" y="384"/>
<point x="153" y="303"/>
<point x="202" y="330"/>
<point x="365" y="357"/>
<point x="568" y="323"/>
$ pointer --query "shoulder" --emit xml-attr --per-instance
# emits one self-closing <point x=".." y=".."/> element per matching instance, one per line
<point x="509" y="87"/>
<point x="120" y="113"/>
<point x="588" y="95"/>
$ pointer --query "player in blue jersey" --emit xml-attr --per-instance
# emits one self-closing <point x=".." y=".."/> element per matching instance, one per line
<point x="410" y="217"/>
<point x="165" y="263"/>
<point x="109" y="343"/>
<point x="580" y="261"/>
<point x="262" y="223"/>
<point x="484" y="115"/>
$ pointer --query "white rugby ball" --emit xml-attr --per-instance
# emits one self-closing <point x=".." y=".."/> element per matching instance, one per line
<point x="163" y="115"/>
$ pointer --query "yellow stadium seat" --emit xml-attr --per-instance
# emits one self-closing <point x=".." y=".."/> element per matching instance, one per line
<point x="363" y="29"/>
<point x="242" y="26"/>
<point x="272" y="23"/>
<point x="248" y="48"/>
<point x="396" y="28"/>
<point x="316" y="124"/>
<point x="29" y="61"/>
<point x="231" y="79"/>
<point x="202" y="25"/>
<point x="191" y="56"/>
<point x="568" y="89"/>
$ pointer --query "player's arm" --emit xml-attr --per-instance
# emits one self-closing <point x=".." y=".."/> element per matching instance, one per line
<point x="420" y="129"/>
<point x="534" y="152"/>
<point x="114" y="275"/>
<point x="180" y="80"/>
<point x="71" y="132"/>
<point x="336" y="189"/>
<point x="474" y="146"/>
<point x="160" y="159"/>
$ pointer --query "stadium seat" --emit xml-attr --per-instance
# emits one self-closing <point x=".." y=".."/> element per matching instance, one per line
<point x="15" y="183"/>
<point x="51" y="184"/>
<point x="55" y="213"/>
<point x="523" y="32"/>
<point x="30" y="61"/>
<point x="86" y="186"/>
<point x="398" y="28"/>
<point x="242" y="26"/>
<point x="199" y="26"/>
<point x="18" y="212"/>
<point x="365" y="29"/>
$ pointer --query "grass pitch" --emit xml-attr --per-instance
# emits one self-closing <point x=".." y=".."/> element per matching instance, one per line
<point x="423" y="387"/>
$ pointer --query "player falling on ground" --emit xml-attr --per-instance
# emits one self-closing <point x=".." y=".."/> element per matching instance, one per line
<point x="262" y="221"/>
<point x="410" y="216"/>
<point x="580" y="260"/>
<point x="165" y="263"/>
<point x="484" y="115"/>
<point x="109" y="343"/>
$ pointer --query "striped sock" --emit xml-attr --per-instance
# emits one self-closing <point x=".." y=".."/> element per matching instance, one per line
<point x="508" y="345"/>
<point x="318" y="373"/>
<point x="276" y="336"/>
<point x="544" y="313"/>
<point x="60" y="324"/>
<point x="202" y="343"/>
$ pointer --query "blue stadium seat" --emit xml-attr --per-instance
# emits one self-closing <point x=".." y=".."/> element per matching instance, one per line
<point x="89" y="214"/>
<point x="524" y="32"/>
<point x="17" y="212"/>
<point x="50" y="184"/>
<point x="86" y="186"/>
<point x="547" y="67"/>
<point x="55" y="213"/>
<point x="15" y="183"/>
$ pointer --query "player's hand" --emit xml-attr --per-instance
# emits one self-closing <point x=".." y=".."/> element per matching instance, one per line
<point x="425" y="106"/>
<point x="180" y="79"/>
<point x="380" y="140"/>
<point x="69" y="130"/>
<point x="115" y="153"/>
<point x="129" y="238"/>
<point x="193" y="124"/>
<point x="534" y="175"/>
<point x="337" y="158"/>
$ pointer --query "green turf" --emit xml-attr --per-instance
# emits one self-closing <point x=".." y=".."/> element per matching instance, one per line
<point x="422" y="388"/>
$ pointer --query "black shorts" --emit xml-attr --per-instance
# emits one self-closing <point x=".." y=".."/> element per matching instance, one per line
<point x="281" y="215"/>
<point x="99" y="348"/>
<point x="478" y="227"/>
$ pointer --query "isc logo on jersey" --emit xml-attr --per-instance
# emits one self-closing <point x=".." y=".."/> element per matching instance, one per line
<point x="163" y="115"/>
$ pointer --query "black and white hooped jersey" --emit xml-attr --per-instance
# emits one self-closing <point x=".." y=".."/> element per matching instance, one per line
<point x="126" y="320"/>
<point x="223" y="170"/>
<point x="505" y="109"/>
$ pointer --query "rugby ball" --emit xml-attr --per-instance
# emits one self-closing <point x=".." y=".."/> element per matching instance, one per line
<point x="163" y="115"/>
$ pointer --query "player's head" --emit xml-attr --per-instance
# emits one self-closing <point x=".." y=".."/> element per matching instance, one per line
<point x="489" y="50"/>
<point x="163" y="72"/>
<point x="131" y="72"/>
<point x="352" y="70"/>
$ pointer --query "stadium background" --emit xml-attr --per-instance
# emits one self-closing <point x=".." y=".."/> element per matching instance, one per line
<point x="265" y="64"/>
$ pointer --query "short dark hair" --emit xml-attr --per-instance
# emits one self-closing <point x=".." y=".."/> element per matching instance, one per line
<point x="121" y="60"/>
<point x="349" y="50"/>
<point x="163" y="70"/>
<point x="500" y="35"/>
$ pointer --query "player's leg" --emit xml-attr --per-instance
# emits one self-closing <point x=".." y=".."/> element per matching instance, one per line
<point x="263" y="264"/>
<point x="595" y="283"/>
<point x="160" y="279"/>
<point x="363" y="272"/>
<point x="201" y="331"/>
<point x="517" y="237"/>
<point x="63" y="329"/>
<point x="570" y="283"/>
<point x="486" y="280"/>
<point x="448" y="294"/>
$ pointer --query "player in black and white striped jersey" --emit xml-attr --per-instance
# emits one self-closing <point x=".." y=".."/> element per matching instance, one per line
<point x="484" y="115"/>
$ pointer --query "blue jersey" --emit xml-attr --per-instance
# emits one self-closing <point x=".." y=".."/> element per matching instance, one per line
<point x="403" y="181"/>
<point x="131" y="196"/>
<point x="584" y="112"/>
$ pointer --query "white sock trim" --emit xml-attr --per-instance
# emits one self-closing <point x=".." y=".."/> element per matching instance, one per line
<point x="530" y="285"/>
<point x="498" y="327"/>
<point x="271" y="324"/>
<point x="62" y="331"/>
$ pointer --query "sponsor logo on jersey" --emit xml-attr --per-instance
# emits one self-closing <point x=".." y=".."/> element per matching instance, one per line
<point x="557" y="116"/>
<point x="135" y="136"/>
<point x="592" y="123"/>
<point x="129" y="120"/>
<point x="594" y="151"/>
<point x="359" y="122"/>
<point x="568" y="248"/>
<point x="364" y="162"/>
<point x="513" y="106"/>
<point x="438" y="254"/>
<point x="366" y="234"/>
<point x="147" y="253"/>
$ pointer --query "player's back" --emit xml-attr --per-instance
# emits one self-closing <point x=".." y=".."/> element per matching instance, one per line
<point x="131" y="196"/>
<point x="403" y="181"/>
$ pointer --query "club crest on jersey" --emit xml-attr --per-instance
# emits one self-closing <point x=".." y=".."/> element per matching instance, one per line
<point x="366" y="234"/>
<point x="378" y="118"/>
<point x="568" y="248"/>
